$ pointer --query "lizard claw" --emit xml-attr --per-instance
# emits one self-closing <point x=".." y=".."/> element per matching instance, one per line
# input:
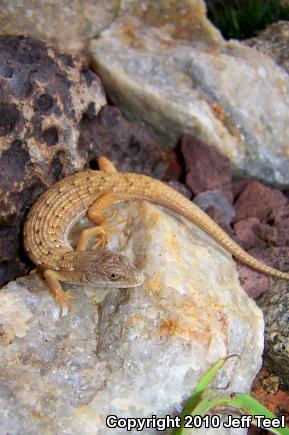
<point x="102" y="241"/>
<point x="104" y="230"/>
<point x="63" y="299"/>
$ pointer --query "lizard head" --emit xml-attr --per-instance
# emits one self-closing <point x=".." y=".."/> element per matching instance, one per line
<point x="108" y="269"/>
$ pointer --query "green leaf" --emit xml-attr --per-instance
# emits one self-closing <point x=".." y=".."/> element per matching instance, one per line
<point x="202" y="402"/>
<point x="199" y="391"/>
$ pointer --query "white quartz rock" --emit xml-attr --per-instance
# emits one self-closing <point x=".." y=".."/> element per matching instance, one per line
<point x="66" y="24"/>
<point x="130" y="352"/>
<point x="227" y="95"/>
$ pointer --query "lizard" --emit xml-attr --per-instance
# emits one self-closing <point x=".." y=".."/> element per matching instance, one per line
<point x="93" y="191"/>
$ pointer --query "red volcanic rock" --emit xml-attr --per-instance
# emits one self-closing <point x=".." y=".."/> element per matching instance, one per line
<point x="277" y="257"/>
<point x="238" y="186"/>
<point x="257" y="203"/>
<point x="206" y="168"/>
<point x="247" y="233"/>
<point x="280" y="214"/>
<point x="258" y="200"/>
<point x="253" y="282"/>
<point x="277" y="235"/>
<point x="267" y="386"/>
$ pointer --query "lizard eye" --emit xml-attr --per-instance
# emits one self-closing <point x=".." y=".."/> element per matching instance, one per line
<point x="114" y="277"/>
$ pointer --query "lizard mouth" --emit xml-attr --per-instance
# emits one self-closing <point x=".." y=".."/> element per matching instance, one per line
<point x="136" y="280"/>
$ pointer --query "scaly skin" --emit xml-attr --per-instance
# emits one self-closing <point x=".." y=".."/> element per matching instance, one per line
<point x="48" y="222"/>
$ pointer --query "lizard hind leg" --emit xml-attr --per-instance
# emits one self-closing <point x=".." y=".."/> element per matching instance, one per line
<point x="95" y="214"/>
<point x="105" y="164"/>
<point x="101" y="231"/>
<point x="104" y="227"/>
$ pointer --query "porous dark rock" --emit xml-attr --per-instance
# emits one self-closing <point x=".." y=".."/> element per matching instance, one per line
<point x="207" y="168"/>
<point x="275" y="306"/>
<point x="127" y="144"/>
<point x="43" y="95"/>
<point x="52" y="125"/>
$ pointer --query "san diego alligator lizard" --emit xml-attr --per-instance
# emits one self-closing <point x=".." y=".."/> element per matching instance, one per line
<point x="57" y="209"/>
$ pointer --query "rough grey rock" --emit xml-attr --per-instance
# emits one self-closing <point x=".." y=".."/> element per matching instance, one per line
<point x="133" y="352"/>
<point x="273" y="41"/>
<point x="67" y="24"/>
<point x="275" y="306"/>
<point x="216" y="199"/>
<point x="222" y="93"/>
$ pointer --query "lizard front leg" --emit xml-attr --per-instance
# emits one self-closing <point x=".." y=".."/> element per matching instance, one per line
<point x="52" y="278"/>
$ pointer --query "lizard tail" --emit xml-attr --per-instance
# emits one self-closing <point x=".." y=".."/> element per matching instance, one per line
<point x="169" y="198"/>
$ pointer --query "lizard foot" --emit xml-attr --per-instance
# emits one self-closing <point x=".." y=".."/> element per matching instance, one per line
<point x="101" y="242"/>
<point x="101" y="231"/>
<point x="64" y="299"/>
